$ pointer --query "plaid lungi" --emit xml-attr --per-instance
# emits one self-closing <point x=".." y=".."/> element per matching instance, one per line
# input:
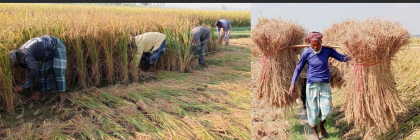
<point x="151" y="58"/>
<point x="52" y="72"/>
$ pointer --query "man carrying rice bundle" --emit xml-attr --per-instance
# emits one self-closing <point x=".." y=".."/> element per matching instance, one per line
<point x="200" y="38"/>
<point x="152" y="44"/>
<point x="318" y="91"/>
<point x="223" y="27"/>
<point x="51" y="52"/>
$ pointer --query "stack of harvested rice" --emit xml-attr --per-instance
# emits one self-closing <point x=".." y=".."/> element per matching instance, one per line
<point x="273" y="38"/>
<point x="338" y="70"/>
<point x="374" y="101"/>
<point x="255" y="51"/>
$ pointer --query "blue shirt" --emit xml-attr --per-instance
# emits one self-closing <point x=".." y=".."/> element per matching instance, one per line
<point x="318" y="70"/>
<point x="37" y="49"/>
<point x="224" y="23"/>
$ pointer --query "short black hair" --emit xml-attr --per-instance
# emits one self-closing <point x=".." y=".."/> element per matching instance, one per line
<point x="218" y="23"/>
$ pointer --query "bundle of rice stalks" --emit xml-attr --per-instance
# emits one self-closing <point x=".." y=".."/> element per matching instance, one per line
<point x="336" y="78"/>
<point x="338" y="70"/>
<point x="273" y="37"/>
<point x="371" y="44"/>
<point x="255" y="51"/>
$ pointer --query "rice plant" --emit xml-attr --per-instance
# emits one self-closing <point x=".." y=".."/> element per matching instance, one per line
<point x="97" y="38"/>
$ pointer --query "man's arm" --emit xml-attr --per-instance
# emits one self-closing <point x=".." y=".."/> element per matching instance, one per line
<point x="339" y="57"/>
<point x="229" y="27"/>
<point x="218" y="31"/>
<point x="299" y="67"/>
<point x="139" y="53"/>
<point x="33" y="72"/>
<point x="226" y="30"/>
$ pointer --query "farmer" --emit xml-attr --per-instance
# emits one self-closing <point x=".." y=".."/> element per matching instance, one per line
<point x="51" y="53"/>
<point x="150" y="46"/>
<point x="200" y="38"/>
<point x="318" y="91"/>
<point x="223" y="26"/>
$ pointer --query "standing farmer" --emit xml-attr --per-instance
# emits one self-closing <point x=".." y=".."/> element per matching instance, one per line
<point x="200" y="38"/>
<point x="223" y="27"/>
<point x="51" y="52"/>
<point x="152" y="44"/>
<point x="318" y="91"/>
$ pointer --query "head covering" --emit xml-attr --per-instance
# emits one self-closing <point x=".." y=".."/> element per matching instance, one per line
<point x="13" y="57"/>
<point x="314" y="36"/>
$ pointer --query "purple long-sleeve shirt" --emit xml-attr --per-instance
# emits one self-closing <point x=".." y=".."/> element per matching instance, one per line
<point x="318" y="70"/>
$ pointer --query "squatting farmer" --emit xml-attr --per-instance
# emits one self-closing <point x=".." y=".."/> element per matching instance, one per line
<point x="223" y="27"/>
<point x="150" y="46"/>
<point x="51" y="53"/>
<point x="318" y="90"/>
<point x="200" y="38"/>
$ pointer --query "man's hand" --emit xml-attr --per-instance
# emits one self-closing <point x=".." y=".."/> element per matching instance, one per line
<point x="18" y="88"/>
<point x="291" y="90"/>
<point x="348" y="58"/>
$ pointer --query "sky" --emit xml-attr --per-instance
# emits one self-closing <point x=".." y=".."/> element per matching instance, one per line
<point x="230" y="6"/>
<point x="318" y="16"/>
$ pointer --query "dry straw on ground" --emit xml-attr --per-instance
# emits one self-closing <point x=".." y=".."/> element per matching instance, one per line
<point x="373" y="98"/>
<point x="273" y="37"/>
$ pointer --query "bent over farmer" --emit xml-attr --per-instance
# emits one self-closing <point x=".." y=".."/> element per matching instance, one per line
<point x="150" y="46"/>
<point x="318" y="90"/>
<point x="223" y="27"/>
<point x="51" y="53"/>
<point x="200" y="38"/>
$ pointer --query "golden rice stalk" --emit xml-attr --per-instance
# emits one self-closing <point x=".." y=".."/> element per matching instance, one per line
<point x="273" y="37"/>
<point x="255" y="51"/>
<point x="338" y="71"/>
<point x="373" y="98"/>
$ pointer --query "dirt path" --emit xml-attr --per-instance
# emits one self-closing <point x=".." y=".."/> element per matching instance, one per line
<point x="303" y="121"/>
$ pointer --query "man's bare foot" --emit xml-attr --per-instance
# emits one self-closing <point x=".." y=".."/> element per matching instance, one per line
<point x="315" y="136"/>
<point x="35" y="97"/>
<point x="324" y="133"/>
<point x="62" y="99"/>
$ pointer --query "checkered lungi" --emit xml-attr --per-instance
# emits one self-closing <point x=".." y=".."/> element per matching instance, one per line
<point x="52" y="72"/>
<point x="151" y="58"/>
